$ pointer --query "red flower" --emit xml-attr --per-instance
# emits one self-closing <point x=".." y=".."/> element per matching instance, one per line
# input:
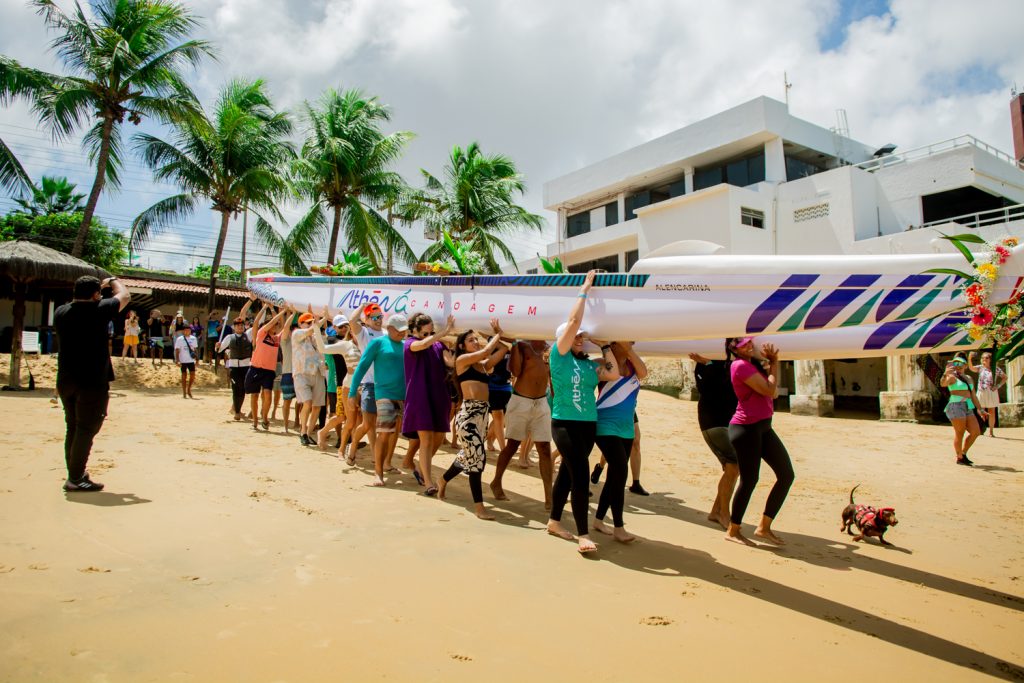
<point x="982" y="316"/>
<point x="1003" y="254"/>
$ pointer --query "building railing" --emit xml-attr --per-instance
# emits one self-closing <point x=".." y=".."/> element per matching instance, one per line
<point x="983" y="218"/>
<point x="937" y="148"/>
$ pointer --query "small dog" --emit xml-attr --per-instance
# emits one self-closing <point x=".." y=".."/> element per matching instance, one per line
<point x="870" y="521"/>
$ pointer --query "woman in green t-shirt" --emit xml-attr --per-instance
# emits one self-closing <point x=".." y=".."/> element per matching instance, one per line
<point x="574" y="379"/>
<point x="960" y="409"/>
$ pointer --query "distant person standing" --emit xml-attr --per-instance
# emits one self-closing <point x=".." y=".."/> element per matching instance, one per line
<point x="186" y="347"/>
<point x="213" y="325"/>
<point x="131" y="336"/>
<point x="155" y="331"/>
<point x="84" y="371"/>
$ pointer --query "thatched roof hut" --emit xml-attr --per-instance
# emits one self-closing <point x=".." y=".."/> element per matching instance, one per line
<point x="23" y="263"/>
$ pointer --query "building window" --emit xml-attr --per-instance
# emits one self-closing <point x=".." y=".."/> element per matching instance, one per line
<point x="752" y="217"/>
<point x="809" y="213"/>
<point x="531" y="271"/>
<point x="611" y="213"/>
<point x="577" y="224"/>
<point x="606" y="263"/>
<point x="631" y="258"/>
<point x="740" y="172"/>
<point x="798" y="168"/>
<point x="641" y="199"/>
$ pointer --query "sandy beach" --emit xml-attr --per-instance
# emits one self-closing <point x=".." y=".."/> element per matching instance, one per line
<point x="217" y="553"/>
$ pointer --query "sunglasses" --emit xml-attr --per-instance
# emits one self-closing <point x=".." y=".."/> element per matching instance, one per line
<point x="376" y="317"/>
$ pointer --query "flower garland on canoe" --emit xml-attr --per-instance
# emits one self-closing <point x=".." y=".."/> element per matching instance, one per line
<point x="999" y="326"/>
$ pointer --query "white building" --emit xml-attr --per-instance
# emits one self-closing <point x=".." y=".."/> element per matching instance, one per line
<point x="757" y="180"/>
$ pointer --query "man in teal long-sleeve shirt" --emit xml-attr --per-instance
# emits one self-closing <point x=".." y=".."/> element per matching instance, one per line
<point x="387" y="356"/>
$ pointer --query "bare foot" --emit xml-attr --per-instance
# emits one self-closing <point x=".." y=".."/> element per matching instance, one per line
<point x="622" y="536"/>
<point x="442" y="484"/>
<point x="499" y="493"/>
<point x="350" y="460"/>
<point x="556" y="529"/>
<point x="321" y="440"/>
<point x="525" y="464"/>
<point x="720" y="520"/>
<point x="769" y="535"/>
<point x="547" y="505"/>
<point x="600" y="528"/>
<point x="481" y="513"/>
<point x="377" y="480"/>
<point x="586" y="545"/>
<point x="734" y="535"/>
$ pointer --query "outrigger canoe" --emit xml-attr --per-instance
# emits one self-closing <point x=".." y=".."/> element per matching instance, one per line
<point x="673" y="297"/>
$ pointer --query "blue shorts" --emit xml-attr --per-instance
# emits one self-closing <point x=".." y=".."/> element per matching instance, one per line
<point x="287" y="386"/>
<point x="367" y="401"/>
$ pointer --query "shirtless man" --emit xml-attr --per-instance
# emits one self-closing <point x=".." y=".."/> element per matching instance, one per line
<point x="528" y="414"/>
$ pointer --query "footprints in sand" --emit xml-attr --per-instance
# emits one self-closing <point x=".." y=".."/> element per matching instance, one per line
<point x="288" y="502"/>
<point x="656" y="621"/>
<point x="461" y="658"/>
<point x="39" y="567"/>
<point x="197" y="462"/>
<point x="94" y="570"/>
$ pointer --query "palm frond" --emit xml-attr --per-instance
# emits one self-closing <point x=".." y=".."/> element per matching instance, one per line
<point x="160" y="217"/>
<point x="13" y="178"/>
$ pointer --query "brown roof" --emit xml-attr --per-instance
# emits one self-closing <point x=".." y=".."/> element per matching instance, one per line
<point x="166" y="286"/>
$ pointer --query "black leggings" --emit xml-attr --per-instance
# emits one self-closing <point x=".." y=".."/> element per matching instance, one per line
<point x="575" y="440"/>
<point x="85" y="408"/>
<point x="753" y="443"/>
<point x="615" y="450"/>
<point x="475" y="486"/>
<point x="238" y="387"/>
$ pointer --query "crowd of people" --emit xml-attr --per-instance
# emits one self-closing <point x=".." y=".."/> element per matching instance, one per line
<point x="360" y="375"/>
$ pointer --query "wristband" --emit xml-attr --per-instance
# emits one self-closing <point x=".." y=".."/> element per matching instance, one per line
<point x="606" y="347"/>
<point x="581" y="295"/>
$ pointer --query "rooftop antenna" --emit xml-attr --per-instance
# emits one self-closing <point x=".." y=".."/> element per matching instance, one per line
<point x="786" y="85"/>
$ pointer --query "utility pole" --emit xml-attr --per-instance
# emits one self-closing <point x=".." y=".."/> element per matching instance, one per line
<point x="245" y="233"/>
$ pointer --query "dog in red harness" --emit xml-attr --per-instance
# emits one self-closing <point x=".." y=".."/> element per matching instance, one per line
<point x="870" y="521"/>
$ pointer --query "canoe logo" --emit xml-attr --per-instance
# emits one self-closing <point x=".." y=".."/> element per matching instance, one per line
<point x="357" y="298"/>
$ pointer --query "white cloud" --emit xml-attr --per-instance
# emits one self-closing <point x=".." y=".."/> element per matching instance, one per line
<point x="557" y="85"/>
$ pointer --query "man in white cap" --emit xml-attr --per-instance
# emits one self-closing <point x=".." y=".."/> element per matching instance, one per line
<point x="387" y="355"/>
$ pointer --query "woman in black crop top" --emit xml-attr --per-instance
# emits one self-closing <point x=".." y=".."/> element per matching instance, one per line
<point x="473" y="361"/>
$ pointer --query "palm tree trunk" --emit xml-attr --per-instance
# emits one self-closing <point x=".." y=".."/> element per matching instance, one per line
<point x="97" y="187"/>
<point x="332" y="249"/>
<point x="225" y="217"/>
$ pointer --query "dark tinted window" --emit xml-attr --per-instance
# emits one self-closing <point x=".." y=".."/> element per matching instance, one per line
<point x="578" y="224"/>
<point x="611" y="213"/>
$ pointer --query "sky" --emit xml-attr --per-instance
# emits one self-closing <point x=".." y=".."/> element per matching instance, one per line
<point x="559" y="84"/>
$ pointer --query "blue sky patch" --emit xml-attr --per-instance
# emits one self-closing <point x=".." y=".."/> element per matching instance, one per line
<point x="850" y="11"/>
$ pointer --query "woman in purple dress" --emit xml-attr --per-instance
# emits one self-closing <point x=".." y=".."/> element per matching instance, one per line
<point x="427" y="403"/>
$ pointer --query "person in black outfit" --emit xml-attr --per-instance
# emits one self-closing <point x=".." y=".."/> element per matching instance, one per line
<point x="715" y="407"/>
<point x="84" y="371"/>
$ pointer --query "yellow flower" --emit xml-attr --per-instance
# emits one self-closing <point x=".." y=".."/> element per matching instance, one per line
<point x="1011" y="241"/>
<point x="988" y="271"/>
<point x="975" y="332"/>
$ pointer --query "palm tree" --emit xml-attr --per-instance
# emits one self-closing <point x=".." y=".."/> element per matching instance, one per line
<point x="13" y="178"/>
<point x="235" y="159"/>
<point x="343" y="169"/>
<point x="126" y="61"/>
<point x="475" y="204"/>
<point x="290" y="249"/>
<point x="52" y="195"/>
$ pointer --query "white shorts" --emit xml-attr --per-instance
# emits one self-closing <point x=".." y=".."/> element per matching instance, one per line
<point x="987" y="398"/>
<point x="528" y="417"/>
<point x="310" y="388"/>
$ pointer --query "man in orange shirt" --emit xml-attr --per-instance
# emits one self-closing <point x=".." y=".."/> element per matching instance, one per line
<point x="260" y="378"/>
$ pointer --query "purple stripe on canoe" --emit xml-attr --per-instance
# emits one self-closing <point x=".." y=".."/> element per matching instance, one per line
<point x="860" y="280"/>
<point x="892" y="301"/>
<point x="941" y="330"/>
<point x="916" y="280"/>
<point x="830" y="307"/>
<point x="800" y="280"/>
<point x="885" y="333"/>
<point x="768" y="311"/>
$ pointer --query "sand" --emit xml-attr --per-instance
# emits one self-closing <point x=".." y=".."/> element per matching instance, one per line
<point x="221" y="554"/>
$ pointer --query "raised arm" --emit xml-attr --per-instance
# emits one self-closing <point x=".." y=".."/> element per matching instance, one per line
<point x="636" y="361"/>
<point x="971" y="364"/>
<point x="119" y="292"/>
<point x="564" y="343"/>
<point x="427" y="342"/>
<point x="273" y="321"/>
<point x="515" y="360"/>
<point x="766" y="386"/>
<point x="248" y="304"/>
<point x="608" y="367"/>
<point x="468" y="359"/>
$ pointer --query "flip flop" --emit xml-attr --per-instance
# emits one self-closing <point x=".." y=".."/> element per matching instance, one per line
<point x="432" y="491"/>
<point x="419" y="477"/>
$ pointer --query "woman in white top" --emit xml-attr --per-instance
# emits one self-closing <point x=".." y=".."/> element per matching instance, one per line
<point x="131" y="336"/>
<point x="990" y="380"/>
<point x="345" y="410"/>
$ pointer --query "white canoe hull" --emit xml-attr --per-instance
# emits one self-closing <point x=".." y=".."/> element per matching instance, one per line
<point x="668" y="298"/>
